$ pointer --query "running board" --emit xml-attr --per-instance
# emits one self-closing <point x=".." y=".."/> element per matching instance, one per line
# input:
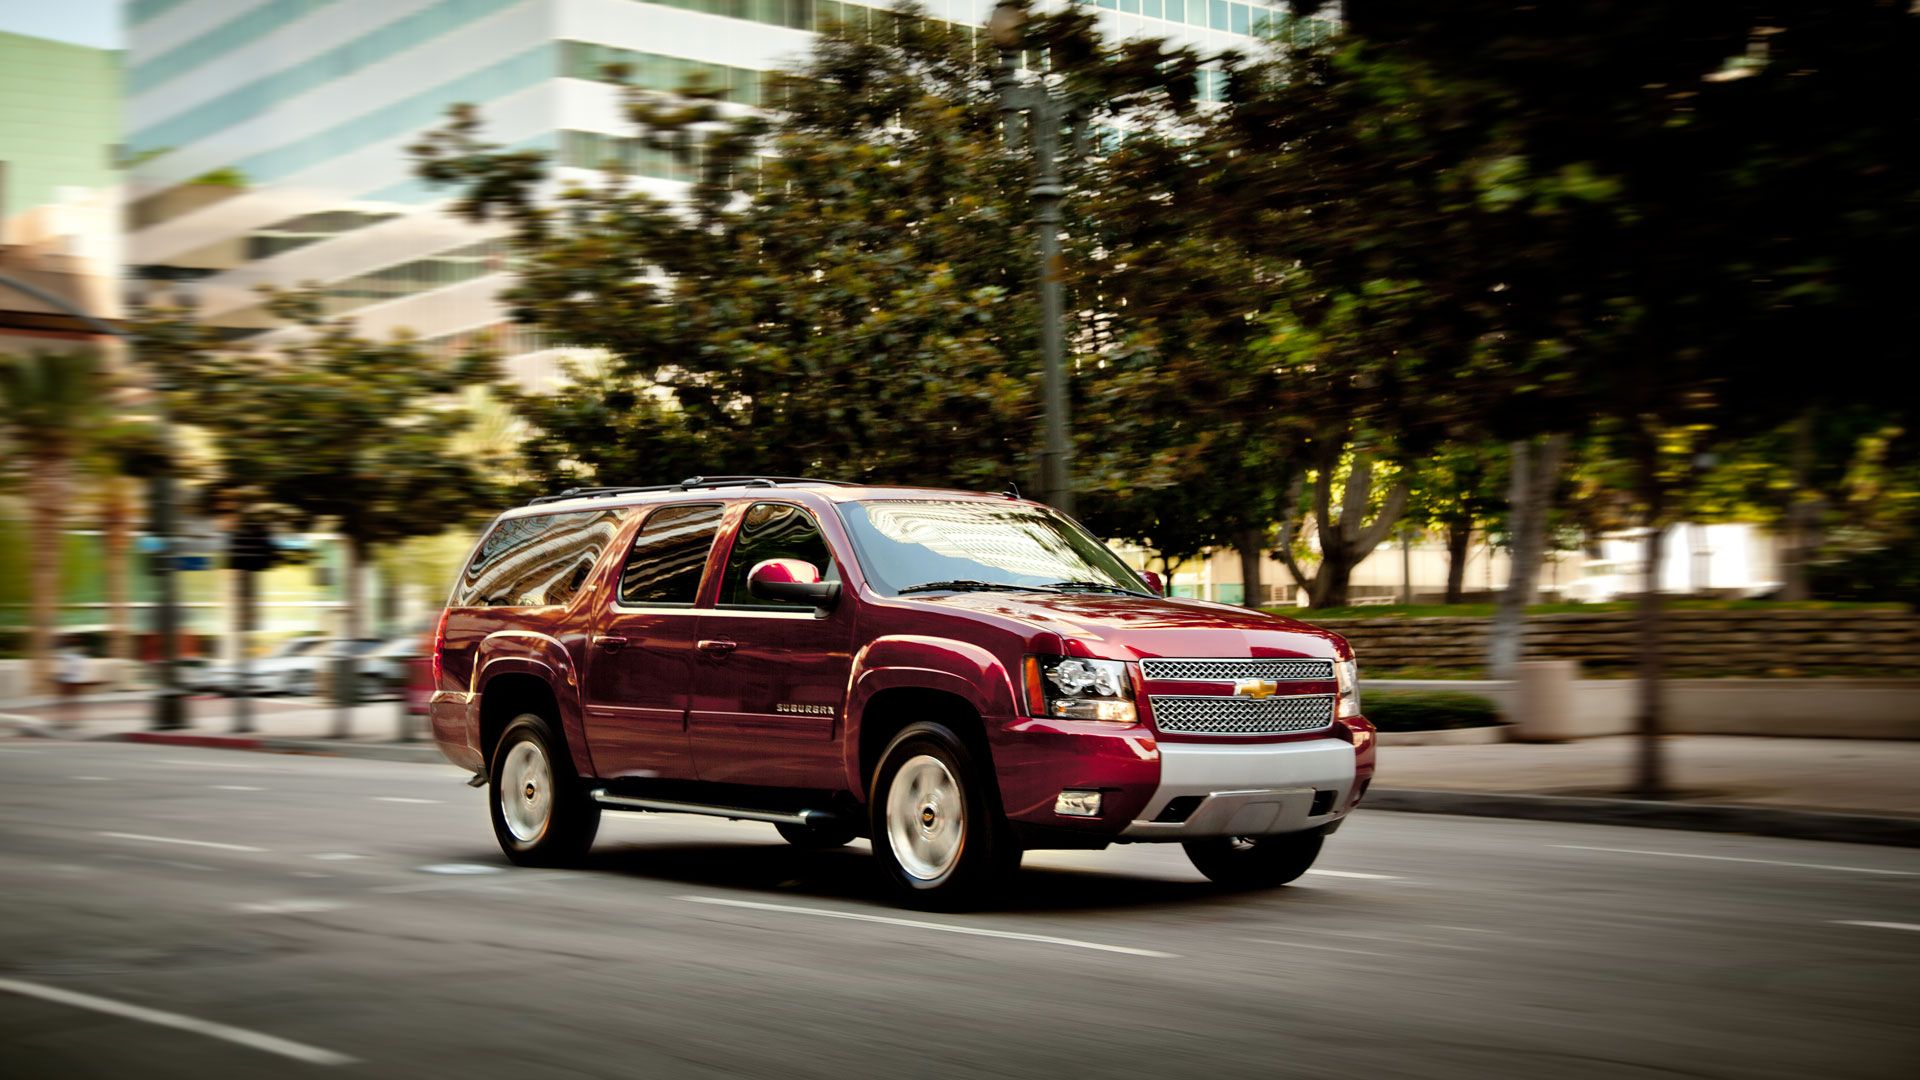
<point x="738" y="813"/>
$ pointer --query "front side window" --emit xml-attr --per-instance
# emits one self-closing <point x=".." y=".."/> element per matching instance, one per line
<point x="912" y="545"/>
<point x="773" y="531"/>
<point x="669" y="554"/>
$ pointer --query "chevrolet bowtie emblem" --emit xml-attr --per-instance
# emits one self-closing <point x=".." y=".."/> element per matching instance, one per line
<point x="1255" y="688"/>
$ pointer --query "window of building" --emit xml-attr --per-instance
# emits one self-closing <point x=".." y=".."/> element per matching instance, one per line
<point x="542" y="560"/>
<point x="669" y="554"/>
<point x="774" y="531"/>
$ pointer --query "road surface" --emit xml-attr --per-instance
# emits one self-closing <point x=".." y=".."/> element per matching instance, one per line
<point x="194" y="913"/>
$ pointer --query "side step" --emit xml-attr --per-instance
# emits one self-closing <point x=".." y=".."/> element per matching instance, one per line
<point x="737" y="813"/>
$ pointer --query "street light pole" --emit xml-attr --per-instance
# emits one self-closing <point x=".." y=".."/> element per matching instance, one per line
<point x="1047" y="113"/>
<point x="166" y="706"/>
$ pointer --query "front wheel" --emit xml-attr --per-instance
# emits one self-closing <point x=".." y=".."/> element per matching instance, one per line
<point x="936" y="829"/>
<point x="541" y="813"/>
<point x="1254" y="862"/>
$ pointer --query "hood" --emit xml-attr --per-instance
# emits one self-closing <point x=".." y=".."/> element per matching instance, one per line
<point x="1130" y="627"/>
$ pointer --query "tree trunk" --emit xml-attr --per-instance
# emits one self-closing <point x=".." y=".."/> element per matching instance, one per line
<point x="1406" y="568"/>
<point x="46" y="516"/>
<point x="118" y="541"/>
<point x="1251" y="544"/>
<point x="1533" y="476"/>
<point x="1800" y="513"/>
<point x="1650" y="781"/>
<point x="243" y="651"/>
<point x="1459" y="542"/>
<point x="346" y="674"/>
<point x="1349" y="539"/>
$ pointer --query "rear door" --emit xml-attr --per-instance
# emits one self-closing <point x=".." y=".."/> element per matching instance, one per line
<point x="639" y="655"/>
<point x="770" y="678"/>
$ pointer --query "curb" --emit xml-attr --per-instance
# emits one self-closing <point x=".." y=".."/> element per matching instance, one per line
<point x="417" y="753"/>
<point x="1699" y="817"/>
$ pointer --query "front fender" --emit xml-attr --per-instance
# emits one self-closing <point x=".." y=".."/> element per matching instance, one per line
<point x="965" y="670"/>
<point x="523" y="652"/>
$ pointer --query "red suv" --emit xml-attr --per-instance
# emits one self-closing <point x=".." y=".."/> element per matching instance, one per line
<point x="958" y="676"/>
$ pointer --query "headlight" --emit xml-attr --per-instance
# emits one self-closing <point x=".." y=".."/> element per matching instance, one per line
<point x="1072" y="688"/>
<point x="1346" y="676"/>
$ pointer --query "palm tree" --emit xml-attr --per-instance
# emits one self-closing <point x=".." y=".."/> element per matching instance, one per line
<point x="49" y="403"/>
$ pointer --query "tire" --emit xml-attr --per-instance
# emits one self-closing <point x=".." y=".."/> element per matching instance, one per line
<point x="1255" y="862"/>
<point x="937" y="830"/>
<point x="817" y="837"/>
<point x="540" y="810"/>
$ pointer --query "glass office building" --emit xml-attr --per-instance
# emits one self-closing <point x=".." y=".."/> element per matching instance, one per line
<point x="267" y="139"/>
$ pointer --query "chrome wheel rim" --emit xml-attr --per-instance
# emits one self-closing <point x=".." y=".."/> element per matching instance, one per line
<point x="926" y="818"/>
<point x="526" y="791"/>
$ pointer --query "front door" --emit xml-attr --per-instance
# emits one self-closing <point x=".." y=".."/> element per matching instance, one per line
<point x="770" y="678"/>
<point x="639" y="658"/>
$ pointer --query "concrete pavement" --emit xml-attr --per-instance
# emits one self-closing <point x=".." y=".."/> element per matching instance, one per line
<point x="358" y="912"/>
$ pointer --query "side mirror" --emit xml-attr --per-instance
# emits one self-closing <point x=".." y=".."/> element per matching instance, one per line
<point x="1154" y="585"/>
<point x="793" y="581"/>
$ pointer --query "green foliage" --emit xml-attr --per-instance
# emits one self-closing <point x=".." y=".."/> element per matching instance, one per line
<point x="332" y="430"/>
<point x="1428" y="710"/>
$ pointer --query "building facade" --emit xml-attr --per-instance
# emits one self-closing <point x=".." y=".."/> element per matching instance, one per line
<point x="269" y="137"/>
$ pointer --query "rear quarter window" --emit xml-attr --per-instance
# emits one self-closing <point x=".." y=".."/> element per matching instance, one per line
<point x="535" y="561"/>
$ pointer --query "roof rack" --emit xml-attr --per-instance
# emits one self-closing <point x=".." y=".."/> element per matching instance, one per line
<point x="688" y="484"/>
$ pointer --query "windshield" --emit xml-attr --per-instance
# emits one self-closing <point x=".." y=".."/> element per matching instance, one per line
<point x="910" y="545"/>
<point x="296" y="647"/>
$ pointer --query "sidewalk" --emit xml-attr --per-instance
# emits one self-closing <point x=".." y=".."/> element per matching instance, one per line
<point x="1856" y="776"/>
<point x="296" y="719"/>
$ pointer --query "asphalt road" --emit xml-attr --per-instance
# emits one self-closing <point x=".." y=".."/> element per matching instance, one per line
<point x="195" y="913"/>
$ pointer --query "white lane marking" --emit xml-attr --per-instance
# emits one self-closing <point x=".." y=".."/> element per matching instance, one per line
<point x="272" y="1044"/>
<point x="210" y="764"/>
<point x="402" y="799"/>
<point x="295" y="906"/>
<point x="1322" y="948"/>
<point x="1356" y="874"/>
<point x="93" y="778"/>
<point x="1879" y="925"/>
<point x="235" y="787"/>
<point x="917" y="924"/>
<point x="460" y="868"/>
<point x="178" y="840"/>
<point x="1733" y="858"/>
<point x="335" y="856"/>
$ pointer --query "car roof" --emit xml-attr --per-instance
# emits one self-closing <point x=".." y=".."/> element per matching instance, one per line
<point x="753" y="492"/>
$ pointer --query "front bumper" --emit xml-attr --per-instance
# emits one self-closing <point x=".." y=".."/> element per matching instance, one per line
<point x="1209" y="789"/>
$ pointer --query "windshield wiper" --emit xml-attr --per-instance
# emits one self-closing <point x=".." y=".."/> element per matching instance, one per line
<point x="1094" y="586"/>
<point x="965" y="585"/>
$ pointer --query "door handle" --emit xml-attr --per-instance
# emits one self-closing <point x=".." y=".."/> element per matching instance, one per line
<point x="716" y="648"/>
<point x="609" y="643"/>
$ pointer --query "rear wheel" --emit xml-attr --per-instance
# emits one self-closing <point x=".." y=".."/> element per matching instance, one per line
<point x="816" y="836"/>
<point x="541" y="813"/>
<point x="1254" y="862"/>
<point x="936" y="830"/>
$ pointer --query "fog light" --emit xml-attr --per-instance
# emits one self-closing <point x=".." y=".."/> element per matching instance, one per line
<point x="1078" y="804"/>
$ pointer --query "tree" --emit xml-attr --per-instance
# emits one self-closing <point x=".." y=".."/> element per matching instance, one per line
<point x="332" y="430"/>
<point x="49" y="405"/>
<point x="1456" y="490"/>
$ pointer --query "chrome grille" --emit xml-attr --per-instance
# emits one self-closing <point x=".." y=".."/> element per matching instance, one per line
<point x="1241" y="716"/>
<point x="1204" y="670"/>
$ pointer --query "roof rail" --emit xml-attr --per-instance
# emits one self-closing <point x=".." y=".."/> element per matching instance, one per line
<point x="688" y="484"/>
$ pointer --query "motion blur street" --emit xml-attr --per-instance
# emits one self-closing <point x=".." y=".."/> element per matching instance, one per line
<point x="361" y="912"/>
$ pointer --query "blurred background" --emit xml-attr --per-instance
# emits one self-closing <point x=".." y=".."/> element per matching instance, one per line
<point x="1553" y="354"/>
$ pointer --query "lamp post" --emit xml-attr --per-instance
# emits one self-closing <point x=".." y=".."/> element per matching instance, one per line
<point x="1047" y="112"/>
<point x="166" y="706"/>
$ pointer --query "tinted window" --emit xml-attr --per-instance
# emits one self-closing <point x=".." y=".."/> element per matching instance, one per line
<point x="774" y="531"/>
<point x="669" y="554"/>
<point x="532" y="561"/>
